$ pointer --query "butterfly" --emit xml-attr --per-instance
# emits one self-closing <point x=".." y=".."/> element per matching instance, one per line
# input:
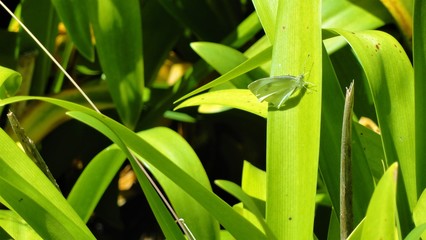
<point x="277" y="90"/>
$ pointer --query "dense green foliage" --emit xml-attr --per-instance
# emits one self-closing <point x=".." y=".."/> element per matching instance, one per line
<point x="118" y="50"/>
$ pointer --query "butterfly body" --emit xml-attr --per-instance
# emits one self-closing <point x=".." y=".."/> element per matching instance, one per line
<point x="276" y="90"/>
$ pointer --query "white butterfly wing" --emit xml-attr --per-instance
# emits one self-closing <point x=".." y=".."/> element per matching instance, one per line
<point x="275" y="90"/>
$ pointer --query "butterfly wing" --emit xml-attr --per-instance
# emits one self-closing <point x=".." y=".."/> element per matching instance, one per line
<point x="275" y="90"/>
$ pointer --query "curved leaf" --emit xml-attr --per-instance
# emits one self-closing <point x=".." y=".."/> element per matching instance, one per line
<point x="237" y="192"/>
<point x="118" y="33"/>
<point x="15" y="226"/>
<point x="162" y="214"/>
<point x="390" y="77"/>
<point x="75" y="17"/>
<point x="41" y="118"/>
<point x="236" y="98"/>
<point x="222" y="58"/>
<point x="380" y="221"/>
<point x="244" y="67"/>
<point x="175" y="148"/>
<point x="9" y="82"/>
<point x="234" y="223"/>
<point x="25" y="189"/>
<point x="94" y="180"/>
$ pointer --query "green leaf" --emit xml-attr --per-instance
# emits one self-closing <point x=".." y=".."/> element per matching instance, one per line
<point x="253" y="181"/>
<point x="357" y="232"/>
<point x="41" y="118"/>
<point x="419" y="212"/>
<point x="419" y="61"/>
<point x="236" y="98"/>
<point x="160" y="211"/>
<point x="389" y="73"/>
<point x="118" y="32"/>
<point x="10" y="81"/>
<point x="40" y="17"/>
<point x="380" y="221"/>
<point x="27" y="191"/>
<point x="94" y="180"/>
<point x="75" y="17"/>
<point x="101" y="170"/>
<point x="222" y="59"/>
<point x="237" y="192"/>
<point x="176" y="149"/>
<point x="15" y="226"/>
<point x="373" y="150"/>
<point x="390" y="78"/>
<point x="331" y="120"/>
<point x="159" y="29"/>
<point x="416" y="233"/>
<point x="244" y="67"/>
<point x="227" y="217"/>
<point x="291" y="169"/>
<point x="267" y="13"/>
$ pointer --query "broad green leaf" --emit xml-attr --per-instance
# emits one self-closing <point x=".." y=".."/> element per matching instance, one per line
<point x="162" y="214"/>
<point x="27" y="191"/>
<point x="94" y="180"/>
<point x="380" y="221"/>
<point x="118" y="33"/>
<point x="372" y="146"/>
<point x="267" y="13"/>
<point x="15" y="226"/>
<point x="238" y="226"/>
<point x="75" y="17"/>
<point x="253" y="181"/>
<point x="291" y="169"/>
<point x="176" y="149"/>
<point x="331" y="132"/>
<point x="390" y="77"/>
<point x="101" y="170"/>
